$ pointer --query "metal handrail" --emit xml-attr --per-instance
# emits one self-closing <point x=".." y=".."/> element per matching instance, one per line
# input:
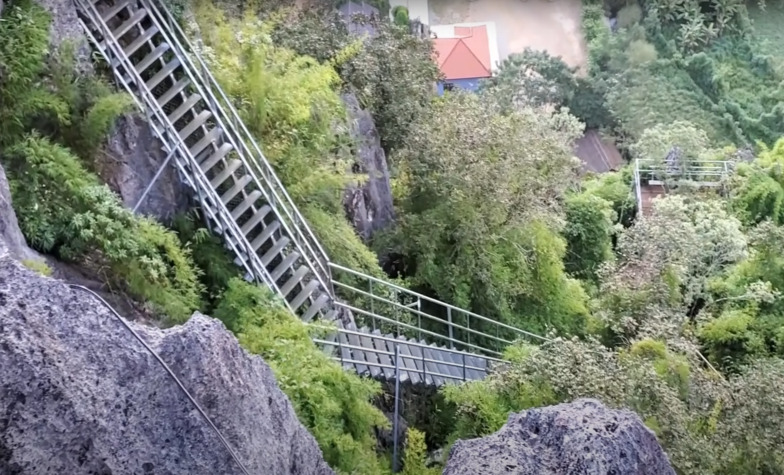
<point x="420" y="297"/>
<point x="280" y="198"/>
<point x="419" y="330"/>
<point x="423" y="314"/>
<point x="150" y="104"/>
<point x="409" y="343"/>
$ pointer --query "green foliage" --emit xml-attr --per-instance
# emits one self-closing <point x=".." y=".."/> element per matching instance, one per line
<point x="209" y="254"/>
<point x="531" y="78"/>
<point x="728" y="338"/>
<point x="24" y="44"/>
<point x="400" y="14"/>
<point x="615" y="188"/>
<point x="588" y="233"/>
<point x="392" y="72"/>
<point x="705" y="424"/>
<point x="332" y="403"/>
<point x="759" y="187"/>
<point x="100" y="118"/>
<point x="291" y="104"/>
<point x="38" y="266"/>
<point x="416" y="455"/>
<point x="471" y="224"/>
<point x="63" y="210"/>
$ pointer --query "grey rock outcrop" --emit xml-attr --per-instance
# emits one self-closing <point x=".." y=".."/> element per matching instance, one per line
<point x="66" y="28"/>
<point x="133" y="157"/>
<point x="80" y="395"/>
<point x="583" y="437"/>
<point x="9" y="226"/>
<point x="368" y="204"/>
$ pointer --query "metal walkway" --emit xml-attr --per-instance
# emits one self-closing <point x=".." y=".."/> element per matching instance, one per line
<point x="652" y="177"/>
<point x="245" y="203"/>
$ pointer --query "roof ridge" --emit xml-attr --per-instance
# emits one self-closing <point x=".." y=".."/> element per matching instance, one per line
<point x="452" y="50"/>
<point x="477" y="59"/>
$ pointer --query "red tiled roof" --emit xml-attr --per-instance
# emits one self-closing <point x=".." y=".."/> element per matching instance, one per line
<point x="467" y="56"/>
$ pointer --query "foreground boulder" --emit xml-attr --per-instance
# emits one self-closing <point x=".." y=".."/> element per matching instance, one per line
<point x="80" y="395"/>
<point x="583" y="437"/>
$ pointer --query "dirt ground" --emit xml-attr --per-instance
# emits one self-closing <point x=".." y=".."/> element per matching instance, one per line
<point x="553" y="26"/>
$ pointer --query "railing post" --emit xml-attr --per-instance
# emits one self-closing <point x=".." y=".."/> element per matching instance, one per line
<point x="395" y="467"/>
<point x="340" y="350"/>
<point x="424" y="367"/>
<point x="451" y="328"/>
<point x="372" y="302"/>
<point x="464" y="367"/>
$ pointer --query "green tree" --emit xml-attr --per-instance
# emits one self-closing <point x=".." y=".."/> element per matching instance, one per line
<point x="588" y="233"/>
<point x="758" y="188"/>
<point x="480" y="187"/>
<point x="531" y="78"/>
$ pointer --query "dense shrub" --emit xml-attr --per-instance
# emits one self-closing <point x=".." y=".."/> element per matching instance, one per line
<point x="64" y="210"/>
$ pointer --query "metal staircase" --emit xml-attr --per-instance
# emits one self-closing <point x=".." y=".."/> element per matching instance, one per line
<point x="245" y="203"/>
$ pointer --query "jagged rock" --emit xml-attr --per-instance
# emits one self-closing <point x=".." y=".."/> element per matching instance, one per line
<point x="368" y="204"/>
<point x="582" y="437"/>
<point x="9" y="226"/>
<point x="66" y="28"/>
<point x="79" y="394"/>
<point x="133" y="158"/>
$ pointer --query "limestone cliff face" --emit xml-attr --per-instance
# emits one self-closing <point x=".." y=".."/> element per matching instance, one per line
<point x="582" y="437"/>
<point x="9" y="226"/>
<point x="368" y="204"/>
<point x="133" y="157"/>
<point x="80" y="395"/>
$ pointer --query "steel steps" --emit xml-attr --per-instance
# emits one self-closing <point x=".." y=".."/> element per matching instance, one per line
<point x="242" y="199"/>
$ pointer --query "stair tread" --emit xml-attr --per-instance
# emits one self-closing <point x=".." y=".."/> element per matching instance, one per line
<point x="257" y="218"/>
<point x="224" y="175"/>
<point x="358" y="355"/>
<point x="284" y="265"/>
<point x="316" y="307"/>
<point x="193" y="125"/>
<point x="187" y="105"/>
<point x="241" y="183"/>
<point x="303" y="294"/>
<point x="216" y="157"/>
<point x="148" y="60"/>
<point x="126" y="26"/>
<point x="411" y="369"/>
<point x="115" y="10"/>
<point x="165" y="72"/>
<point x="298" y="275"/>
<point x="273" y="252"/>
<point x="370" y="356"/>
<point x="246" y="203"/>
<point x="265" y="234"/>
<point x="178" y="87"/>
<point x="141" y="40"/>
<point x="381" y="345"/>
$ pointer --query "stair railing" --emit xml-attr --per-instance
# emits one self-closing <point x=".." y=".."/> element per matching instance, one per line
<point x="274" y="192"/>
<point x="458" y="322"/>
<point x="164" y="129"/>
